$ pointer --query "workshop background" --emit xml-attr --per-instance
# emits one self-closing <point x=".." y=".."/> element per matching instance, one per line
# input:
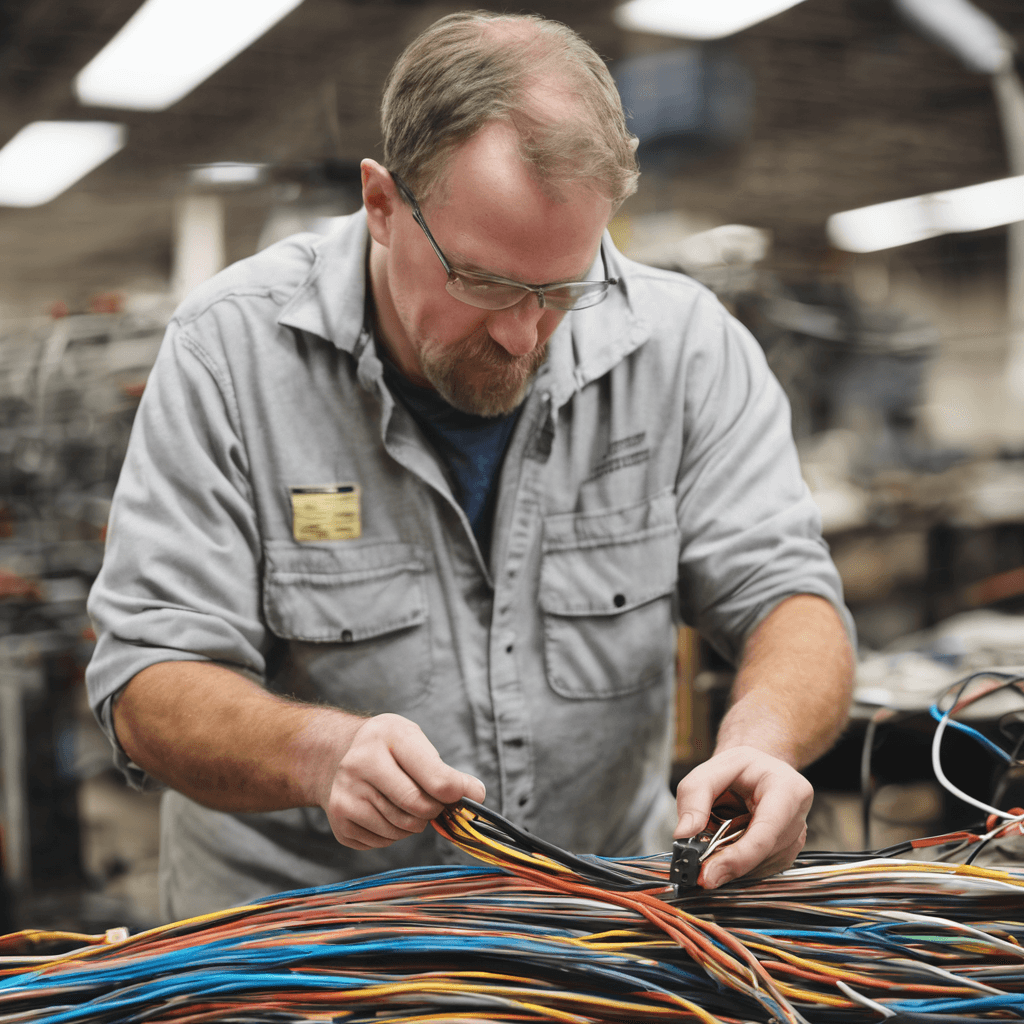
<point x="903" y="356"/>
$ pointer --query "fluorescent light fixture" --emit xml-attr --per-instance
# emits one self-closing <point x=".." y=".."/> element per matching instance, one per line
<point x="980" y="44"/>
<point x="47" y="157"/>
<point x="168" y="47"/>
<point x="227" y="173"/>
<point x="696" y="19"/>
<point x="902" y="221"/>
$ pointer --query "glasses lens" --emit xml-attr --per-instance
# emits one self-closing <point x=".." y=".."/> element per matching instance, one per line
<point x="576" y="296"/>
<point x="484" y="294"/>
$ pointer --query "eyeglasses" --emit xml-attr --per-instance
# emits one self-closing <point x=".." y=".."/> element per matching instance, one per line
<point x="485" y="291"/>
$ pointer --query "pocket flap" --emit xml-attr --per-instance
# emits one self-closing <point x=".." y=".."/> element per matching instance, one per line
<point x="342" y="595"/>
<point x="609" y="562"/>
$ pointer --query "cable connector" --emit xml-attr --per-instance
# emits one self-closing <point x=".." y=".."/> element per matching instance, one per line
<point x="685" y="865"/>
<point x="689" y="854"/>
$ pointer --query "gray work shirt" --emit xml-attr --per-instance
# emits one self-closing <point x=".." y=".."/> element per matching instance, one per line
<point x="651" y="479"/>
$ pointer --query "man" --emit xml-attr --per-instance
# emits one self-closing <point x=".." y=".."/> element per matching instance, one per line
<point x="399" y="525"/>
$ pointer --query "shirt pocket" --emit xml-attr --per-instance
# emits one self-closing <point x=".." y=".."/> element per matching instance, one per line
<point x="356" y="621"/>
<point x="607" y="594"/>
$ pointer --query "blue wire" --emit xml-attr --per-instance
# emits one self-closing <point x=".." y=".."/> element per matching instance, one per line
<point x="962" y="1007"/>
<point x="993" y="748"/>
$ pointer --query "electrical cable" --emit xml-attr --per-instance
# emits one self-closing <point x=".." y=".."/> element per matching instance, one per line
<point x="535" y="933"/>
<point x="538" y="934"/>
<point x="1000" y="681"/>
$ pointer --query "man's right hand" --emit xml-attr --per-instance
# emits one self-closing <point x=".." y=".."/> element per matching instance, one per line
<point x="227" y="743"/>
<point x="390" y="784"/>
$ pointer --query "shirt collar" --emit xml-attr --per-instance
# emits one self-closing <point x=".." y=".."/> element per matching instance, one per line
<point x="590" y="342"/>
<point x="331" y="301"/>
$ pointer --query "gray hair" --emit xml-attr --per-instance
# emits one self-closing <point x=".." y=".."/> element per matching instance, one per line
<point x="474" y="67"/>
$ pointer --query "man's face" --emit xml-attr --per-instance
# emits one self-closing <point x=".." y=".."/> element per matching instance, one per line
<point x="491" y="218"/>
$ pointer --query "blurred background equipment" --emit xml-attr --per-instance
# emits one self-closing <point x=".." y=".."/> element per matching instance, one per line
<point x="69" y="387"/>
<point x="766" y="130"/>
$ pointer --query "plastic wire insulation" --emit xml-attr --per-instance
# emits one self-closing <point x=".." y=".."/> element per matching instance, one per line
<point x="538" y="934"/>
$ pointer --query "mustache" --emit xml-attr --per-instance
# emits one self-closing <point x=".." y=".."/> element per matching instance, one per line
<point x="480" y="376"/>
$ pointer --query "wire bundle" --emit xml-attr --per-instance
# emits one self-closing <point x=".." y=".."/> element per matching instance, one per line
<point x="974" y="688"/>
<point x="538" y="934"/>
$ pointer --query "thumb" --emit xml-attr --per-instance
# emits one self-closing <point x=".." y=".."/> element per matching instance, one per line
<point x="694" y="799"/>
<point x="473" y="788"/>
<point x="690" y="823"/>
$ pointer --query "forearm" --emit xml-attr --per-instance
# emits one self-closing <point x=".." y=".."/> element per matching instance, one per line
<point x="227" y="743"/>
<point x="791" y="696"/>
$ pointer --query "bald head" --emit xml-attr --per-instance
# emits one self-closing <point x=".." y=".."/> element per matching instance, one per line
<point x="538" y="76"/>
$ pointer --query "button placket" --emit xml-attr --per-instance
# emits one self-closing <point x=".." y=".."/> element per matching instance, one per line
<point x="510" y="711"/>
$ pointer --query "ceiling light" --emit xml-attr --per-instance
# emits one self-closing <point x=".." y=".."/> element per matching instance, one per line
<point x="691" y="19"/>
<point x="902" y="221"/>
<point x="47" y="157"/>
<point x="227" y="173"/>
<point x="980" y="44"/>
<point x="169" y="46"/>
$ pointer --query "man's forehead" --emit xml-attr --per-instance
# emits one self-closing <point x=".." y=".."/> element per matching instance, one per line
<point x="491" y="252"/>
<point x="493" y="203"/>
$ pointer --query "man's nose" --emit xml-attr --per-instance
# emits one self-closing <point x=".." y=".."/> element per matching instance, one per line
<point x="516" y="329"/>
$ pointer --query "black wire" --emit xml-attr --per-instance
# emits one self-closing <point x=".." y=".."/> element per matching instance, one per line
<point x="974" y="853"/>
<point x="1012" y="718"/>
<point x="503" y="830"/>
<point x="866" y="789"/>
<point x="1009" y="679"/>
<point x="868" y="748"/>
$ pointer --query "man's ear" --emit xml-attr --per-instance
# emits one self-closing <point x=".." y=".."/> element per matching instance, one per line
<point x="380" y="197"/>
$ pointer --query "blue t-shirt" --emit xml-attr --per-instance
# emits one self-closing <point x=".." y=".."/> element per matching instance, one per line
<point x="472" y="446"/>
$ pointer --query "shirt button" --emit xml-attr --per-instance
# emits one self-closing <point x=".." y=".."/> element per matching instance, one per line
<point x="346" y="636"/>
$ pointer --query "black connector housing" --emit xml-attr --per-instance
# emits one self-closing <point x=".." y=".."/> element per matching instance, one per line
<point x="684" y="867"/>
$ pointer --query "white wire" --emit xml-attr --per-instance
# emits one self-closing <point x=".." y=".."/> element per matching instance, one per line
<point x="864" y="1001"/>
<point x="959" y="979"/>
<point x="941" y="775"/>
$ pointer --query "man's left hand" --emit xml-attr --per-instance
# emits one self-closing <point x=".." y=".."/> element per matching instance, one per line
<point x="777" y="796"/>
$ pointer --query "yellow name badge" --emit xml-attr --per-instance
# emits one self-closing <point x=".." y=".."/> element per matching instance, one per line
<point x="326" y="513"/>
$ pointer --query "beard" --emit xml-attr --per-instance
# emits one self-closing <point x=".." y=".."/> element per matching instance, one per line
<point x="478" y="376"/>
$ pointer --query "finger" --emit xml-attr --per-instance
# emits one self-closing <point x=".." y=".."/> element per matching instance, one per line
<point x="359" y="820"/>
<point x="782" y="860"/>
<point x="473" y="788"/>
<point x="697" y="792"/>
<point x="777" y="826"/>
<point x="395" y="816"/>
<point x="435" y="779"/>
<point x="356" y="837"/>
<point x="387" y="776"/>
<point x="717" y="870"/>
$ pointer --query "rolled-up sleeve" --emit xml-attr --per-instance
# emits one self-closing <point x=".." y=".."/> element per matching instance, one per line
<point x="180" y="576"/>
<point x="751" y="533"/>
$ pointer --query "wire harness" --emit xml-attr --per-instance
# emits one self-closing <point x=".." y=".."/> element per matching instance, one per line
<point x="538" y="934"/>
